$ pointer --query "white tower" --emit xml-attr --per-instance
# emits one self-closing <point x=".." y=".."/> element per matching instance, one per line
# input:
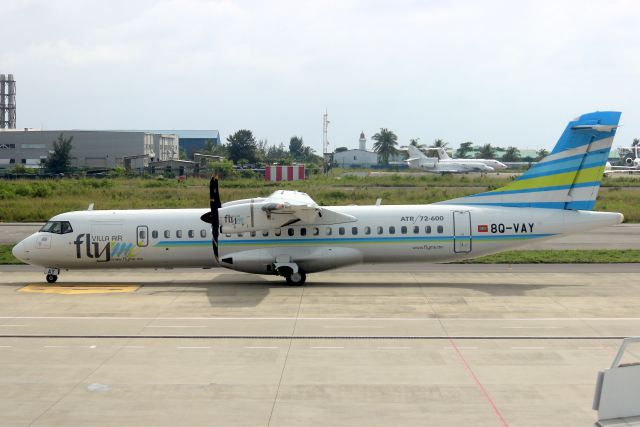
<point x="363" y="142"/>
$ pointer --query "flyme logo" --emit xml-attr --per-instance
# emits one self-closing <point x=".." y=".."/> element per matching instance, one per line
<point x="103" y="248"/>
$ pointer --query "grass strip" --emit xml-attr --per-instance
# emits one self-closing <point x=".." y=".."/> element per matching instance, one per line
<point x="6" y="257"/>
<point x="595" y="256"/>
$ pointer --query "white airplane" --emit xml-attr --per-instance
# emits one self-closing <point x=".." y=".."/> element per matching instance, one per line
<point x="288" y="234"/>
<point x="492" y="163"/>
<point x="418" y="160"/>
<point x="631" y="161"/>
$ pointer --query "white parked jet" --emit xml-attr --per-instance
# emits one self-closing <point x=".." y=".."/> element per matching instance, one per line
<point x="418" y="160"/>
<point x="288" y="234"/>
<point x="444" y="157"/>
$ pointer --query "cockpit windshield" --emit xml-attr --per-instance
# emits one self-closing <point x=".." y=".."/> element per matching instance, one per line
<point x="57" y="227"/>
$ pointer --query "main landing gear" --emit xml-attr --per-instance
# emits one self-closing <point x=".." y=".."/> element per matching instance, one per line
<point x="296" y="279"/>
<point x="51" y="278"/>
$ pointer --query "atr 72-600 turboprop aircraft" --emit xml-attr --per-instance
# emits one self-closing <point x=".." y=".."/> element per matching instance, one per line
<point x="288" y="234"/>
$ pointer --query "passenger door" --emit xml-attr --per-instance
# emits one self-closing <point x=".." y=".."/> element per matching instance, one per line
<point x="461" y="231"/>
<point x="142" y="236"/>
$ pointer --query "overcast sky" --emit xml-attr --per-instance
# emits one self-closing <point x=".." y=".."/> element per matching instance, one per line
<point x="500" y="72"/>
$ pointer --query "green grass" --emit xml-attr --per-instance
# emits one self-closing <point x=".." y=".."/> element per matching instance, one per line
<point x="25" y="200"/>
<point x="597" y="256"/>
<point x="6" y="257"/>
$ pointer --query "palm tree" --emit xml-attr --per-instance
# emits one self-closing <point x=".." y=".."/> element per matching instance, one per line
<point x="439" y="143"/>
<point x="486" y="152"/>
<point x="385" y="144"/>
<point x="512" y="154"/>
<point x="416" y="143"/>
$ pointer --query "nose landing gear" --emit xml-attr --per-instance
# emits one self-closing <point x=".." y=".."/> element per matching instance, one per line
<point x="52" y="274"/>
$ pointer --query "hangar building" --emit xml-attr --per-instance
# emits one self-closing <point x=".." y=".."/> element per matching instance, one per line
<point x="91" y="148"/>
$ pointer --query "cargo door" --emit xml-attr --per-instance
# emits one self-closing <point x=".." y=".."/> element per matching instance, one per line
<point x="462" y="231"/>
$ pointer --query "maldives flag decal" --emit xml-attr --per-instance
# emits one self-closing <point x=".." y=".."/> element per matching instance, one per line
<point x="483" y="228"/>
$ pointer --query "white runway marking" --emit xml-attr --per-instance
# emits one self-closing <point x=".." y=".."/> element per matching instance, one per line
<point x="6" y="346"/>
<point x="176" y="326"/>
<point x="368" y="319"/>
<point x="531" y="327"/>
<point x="14" y="326"/>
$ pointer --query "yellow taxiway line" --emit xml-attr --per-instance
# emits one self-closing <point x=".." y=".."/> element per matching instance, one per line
<point x="80" y="288"/>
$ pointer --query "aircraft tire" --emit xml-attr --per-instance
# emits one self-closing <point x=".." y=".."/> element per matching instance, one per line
<point x="296" y="279"/>
<point x="51" y="278"/>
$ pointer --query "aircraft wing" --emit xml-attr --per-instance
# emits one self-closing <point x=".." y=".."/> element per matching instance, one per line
<point x="281" y="208"/>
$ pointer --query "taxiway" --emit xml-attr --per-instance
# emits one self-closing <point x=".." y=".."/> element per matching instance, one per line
<point x="452" y="345"/>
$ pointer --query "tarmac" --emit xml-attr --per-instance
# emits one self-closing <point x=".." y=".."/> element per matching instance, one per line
<point x="400" y="345"/>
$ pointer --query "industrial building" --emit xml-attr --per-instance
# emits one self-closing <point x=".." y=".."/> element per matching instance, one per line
<point x="95" y="149"/>
<point x="192" y="141"/>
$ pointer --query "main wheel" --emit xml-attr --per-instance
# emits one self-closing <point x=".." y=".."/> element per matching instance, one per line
<point x="296" y="279"/>
<point x="51" y="278"/>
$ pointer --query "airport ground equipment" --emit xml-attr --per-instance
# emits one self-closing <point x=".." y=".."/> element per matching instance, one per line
<point x="617" y="395"/>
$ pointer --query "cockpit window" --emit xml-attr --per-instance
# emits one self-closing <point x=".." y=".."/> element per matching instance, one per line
<point x="57" y="227"/>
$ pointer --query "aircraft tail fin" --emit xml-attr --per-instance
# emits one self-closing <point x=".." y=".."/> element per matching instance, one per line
<point x="569" y="177"/>
<point x="442" y="154"/>
<point x="415" y="152"/>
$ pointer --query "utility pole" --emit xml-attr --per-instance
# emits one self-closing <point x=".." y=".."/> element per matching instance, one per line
<point x="325" y="141"/>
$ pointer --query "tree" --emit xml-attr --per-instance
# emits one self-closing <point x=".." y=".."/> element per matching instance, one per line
<point x="416" y="143"/>
<point x="385" y="144"/>
<point x="242" y="145"/>
<point x="464" y="150"/>
<point x="512" y="154"/>
<point x="296" y="148"/>
<point x="439" y="143"/>
<point x="541" y="154"/>
<point x="636" y="142"/>
<point x="208" y="146"/>
<point x="59" y="161"/>
<point x="486" y="152"/>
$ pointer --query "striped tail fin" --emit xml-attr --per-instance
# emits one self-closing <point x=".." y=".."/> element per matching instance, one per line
<point x="568" y="178"/>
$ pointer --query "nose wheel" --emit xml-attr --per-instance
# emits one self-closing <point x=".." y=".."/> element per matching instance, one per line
<point x="52" y="274"/>
<point x="51" y="278"/>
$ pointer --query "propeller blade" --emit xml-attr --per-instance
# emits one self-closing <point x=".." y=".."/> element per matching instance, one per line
<point x="214" y="202"/>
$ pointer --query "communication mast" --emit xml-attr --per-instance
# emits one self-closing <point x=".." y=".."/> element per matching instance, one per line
<point x="7" y="102"/>
<point x="325" y="141"/>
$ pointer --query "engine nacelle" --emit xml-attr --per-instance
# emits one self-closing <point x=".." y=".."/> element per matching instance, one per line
<point x="249" y="215"/>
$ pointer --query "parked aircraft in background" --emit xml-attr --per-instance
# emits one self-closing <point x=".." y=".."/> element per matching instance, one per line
<point x="631" y="163"/>
<point x="418" y="160"/>
<point x="444" y="157"/>
<point x="290" y="235"/>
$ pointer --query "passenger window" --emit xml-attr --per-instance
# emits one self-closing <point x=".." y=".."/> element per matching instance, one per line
<point x="392" y="230"/>
<point x="253" y="234"/>
<point x="367" y="230"/>
<point x="427" y="229"/>
<point x="191" y="234"/>
<point x="265" y="233"/>
<point x="154" y="234"/>
<point x="316" y="231"/>
<point x="329" y="231"/>
<point x="278" y="232"/>
<point x="227" y="235"/>
<point x="379" y="229"/>
<point x="416" y="229"/>
<point x="142" y="235"/>
<point x="203" y="233"/>
<point x="403" y="229"/>
<point x="291" y="232"/>
<point x="440" y="229"/>
<point x="179" y="234"/>
<point x="354" y="230"/>
<point x="341" y="231"/>
<point x="240" y="234"/>
<point x="303" y="231"/>
<point x="167" y="234"/>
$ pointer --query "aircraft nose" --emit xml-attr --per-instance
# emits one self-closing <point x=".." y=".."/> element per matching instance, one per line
<point x="21" y="251"/>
